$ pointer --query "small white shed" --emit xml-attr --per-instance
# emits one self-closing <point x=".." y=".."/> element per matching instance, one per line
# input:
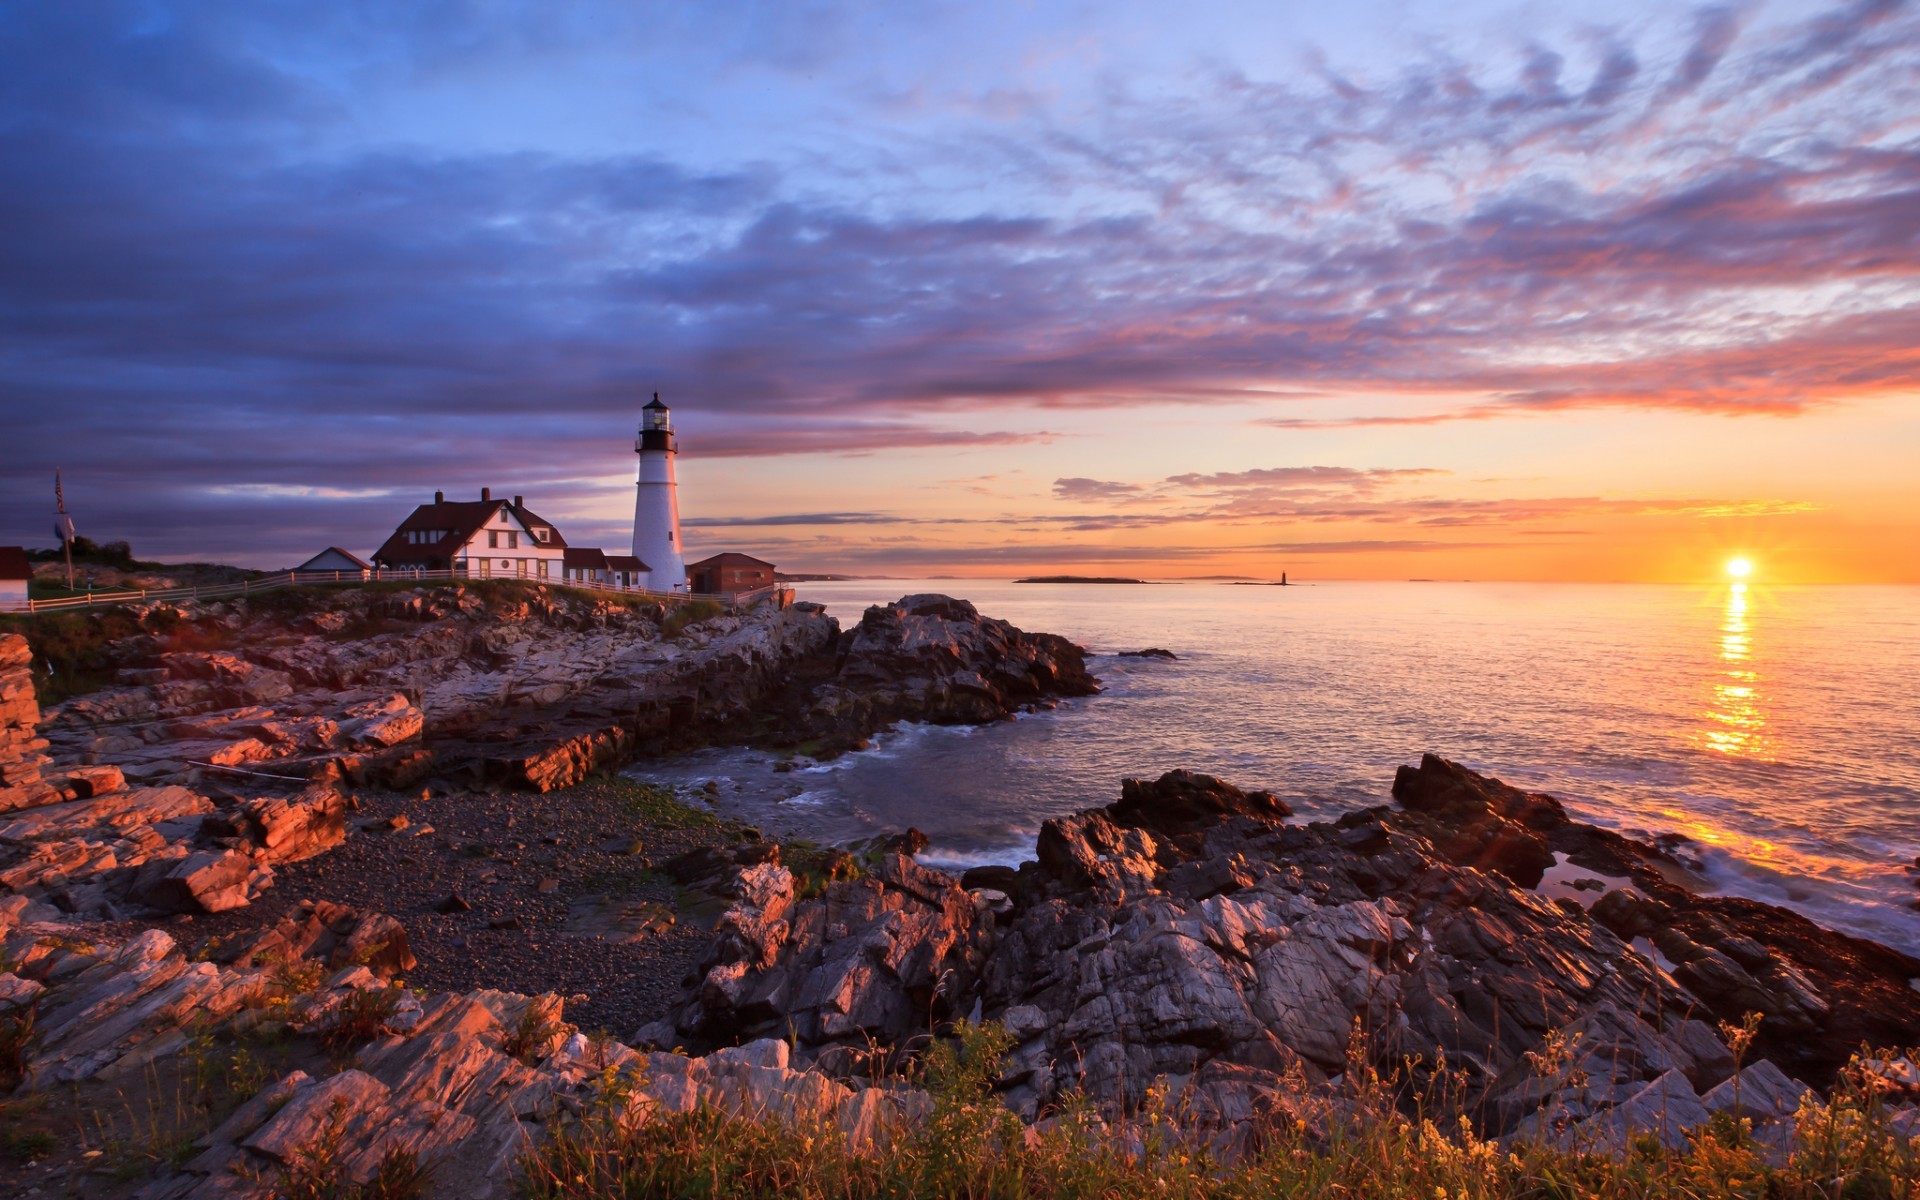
<point x="333" y="558"/>
<point x="15" y="572"/>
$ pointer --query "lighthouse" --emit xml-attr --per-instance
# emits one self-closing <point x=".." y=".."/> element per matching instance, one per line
<point x="656" y="506"/>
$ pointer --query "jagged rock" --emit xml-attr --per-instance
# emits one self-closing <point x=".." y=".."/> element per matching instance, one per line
<point x="121" y="810"/>
<point x="297" y="827"/>
<point x="464" y="1083"/>
<point x="21" y="749"/>
<point x="1667" y="1108"/>
<point x="1188" y="928"/>
<point x="1186" y="801"/>
<point x="574" y="758"/>
<point x="385" y="722"/>
<point x="1761" y="1090"/>
<point x="113" y="1012"/>
<point x="536" y="691"/>
<point x="332" y="933"/>
<point x="1628" y="912"/>
<point x="206" y="880"/>
<point x="88" y="782"/>
<point x="934" y="658"/>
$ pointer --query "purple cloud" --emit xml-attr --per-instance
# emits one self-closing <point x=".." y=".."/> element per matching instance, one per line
<point x="212" y="276"/>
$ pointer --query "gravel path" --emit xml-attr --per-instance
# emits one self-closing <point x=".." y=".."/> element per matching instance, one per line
<point x="525" y="863"/>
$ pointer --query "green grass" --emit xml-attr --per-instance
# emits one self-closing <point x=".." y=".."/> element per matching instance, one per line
<point x="74" y="651"/>
<point x="1369" y="1147"/>
<point x="26" y="1145"/>
<point x="148" y="1125"/>
<point x="816" y="867"/>
<point x="689" y="614"/>
<point x="658" y="805"/>
<point x="71" y="654"/>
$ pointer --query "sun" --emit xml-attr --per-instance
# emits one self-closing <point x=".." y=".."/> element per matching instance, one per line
<point x="1739" y="568"/>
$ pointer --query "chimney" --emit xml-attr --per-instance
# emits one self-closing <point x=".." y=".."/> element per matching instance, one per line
<point x="519" y="501"/>
<point x="486" y="493"/>
<point x="439" y="497"/>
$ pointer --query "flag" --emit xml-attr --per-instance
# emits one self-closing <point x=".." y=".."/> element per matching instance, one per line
<point x="62" y="523"/>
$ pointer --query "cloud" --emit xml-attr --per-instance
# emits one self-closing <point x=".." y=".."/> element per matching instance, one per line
<point x="1094" y="489"/>
<point x="1374" y="546"/>
<point x="834" y="518"/>
<point x="1271" y="479"/>
<point x="222" y="267"/>
<point x="783" y="438"/>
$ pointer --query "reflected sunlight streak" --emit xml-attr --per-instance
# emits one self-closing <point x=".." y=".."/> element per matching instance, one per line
<point x="1738" y="721"/>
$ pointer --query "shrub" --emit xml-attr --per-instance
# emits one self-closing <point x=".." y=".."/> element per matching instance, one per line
<point x="1367" y="1146"/>
<point x="17" y="1036"/>
<point x="316" y="1172"/>
<point x="362" y="1016"/>
<point x="532" y="1033"/>
<point x="25" y="1145"/>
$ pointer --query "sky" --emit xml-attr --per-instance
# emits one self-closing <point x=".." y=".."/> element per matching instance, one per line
<point x="1570" y="291"/>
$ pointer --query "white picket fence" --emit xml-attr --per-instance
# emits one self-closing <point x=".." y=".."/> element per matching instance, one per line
<point x="271" y="583"/>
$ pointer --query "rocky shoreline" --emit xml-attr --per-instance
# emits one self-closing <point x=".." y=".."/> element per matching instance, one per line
<point x="444" y="819"/>
<point x="1189" y="932"/>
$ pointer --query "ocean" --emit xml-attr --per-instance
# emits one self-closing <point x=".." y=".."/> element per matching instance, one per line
<point x="1775" y="726"/>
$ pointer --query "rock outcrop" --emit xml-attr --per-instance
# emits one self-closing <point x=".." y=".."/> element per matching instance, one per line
<point x="1187" y="935"/>
<point x="22" y="749"/>
<point x="935" y="658"/>
<point x="523" y="685"/>
<point x="460" y="1086"/>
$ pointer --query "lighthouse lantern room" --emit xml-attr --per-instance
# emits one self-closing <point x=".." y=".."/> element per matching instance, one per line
<point x="656" y="507"/>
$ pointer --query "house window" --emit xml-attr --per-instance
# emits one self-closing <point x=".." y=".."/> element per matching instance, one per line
<point x="493" y="539"/>
<point x="513" y="539"/>
<point x="543" y="568"/>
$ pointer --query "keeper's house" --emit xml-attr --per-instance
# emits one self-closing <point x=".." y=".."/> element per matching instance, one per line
<point x="484" y="538"/>
<point x="15" y="572"/>
<point x="730" y="573"/>
<point x="584" y="564"/>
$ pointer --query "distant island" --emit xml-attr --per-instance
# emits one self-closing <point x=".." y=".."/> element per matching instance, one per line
<point x="1078" y="579"/>
<point x="789" y="577"/>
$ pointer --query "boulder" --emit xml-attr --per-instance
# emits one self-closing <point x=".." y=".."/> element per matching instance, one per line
<point x="334" y="934"/>
<point x="205" y="881"/>
<point x="288" y="829"/>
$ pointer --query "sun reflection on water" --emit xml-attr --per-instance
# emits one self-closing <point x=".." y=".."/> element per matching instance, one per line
<point x="1738" y="720"/>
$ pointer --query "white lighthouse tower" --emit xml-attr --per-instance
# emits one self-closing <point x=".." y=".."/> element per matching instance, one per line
<point x="656" y="504"/>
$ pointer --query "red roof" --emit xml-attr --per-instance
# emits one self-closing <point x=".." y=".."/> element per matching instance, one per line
<point x="14" y="564"/>
<point x="730" y="559"/>
<point x="583" y="558"/>
<point x="461" y="519"/>
<point x="625" y="562"/>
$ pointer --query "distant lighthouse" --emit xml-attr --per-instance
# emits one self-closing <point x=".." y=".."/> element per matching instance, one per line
<point x="656" y="506"/>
